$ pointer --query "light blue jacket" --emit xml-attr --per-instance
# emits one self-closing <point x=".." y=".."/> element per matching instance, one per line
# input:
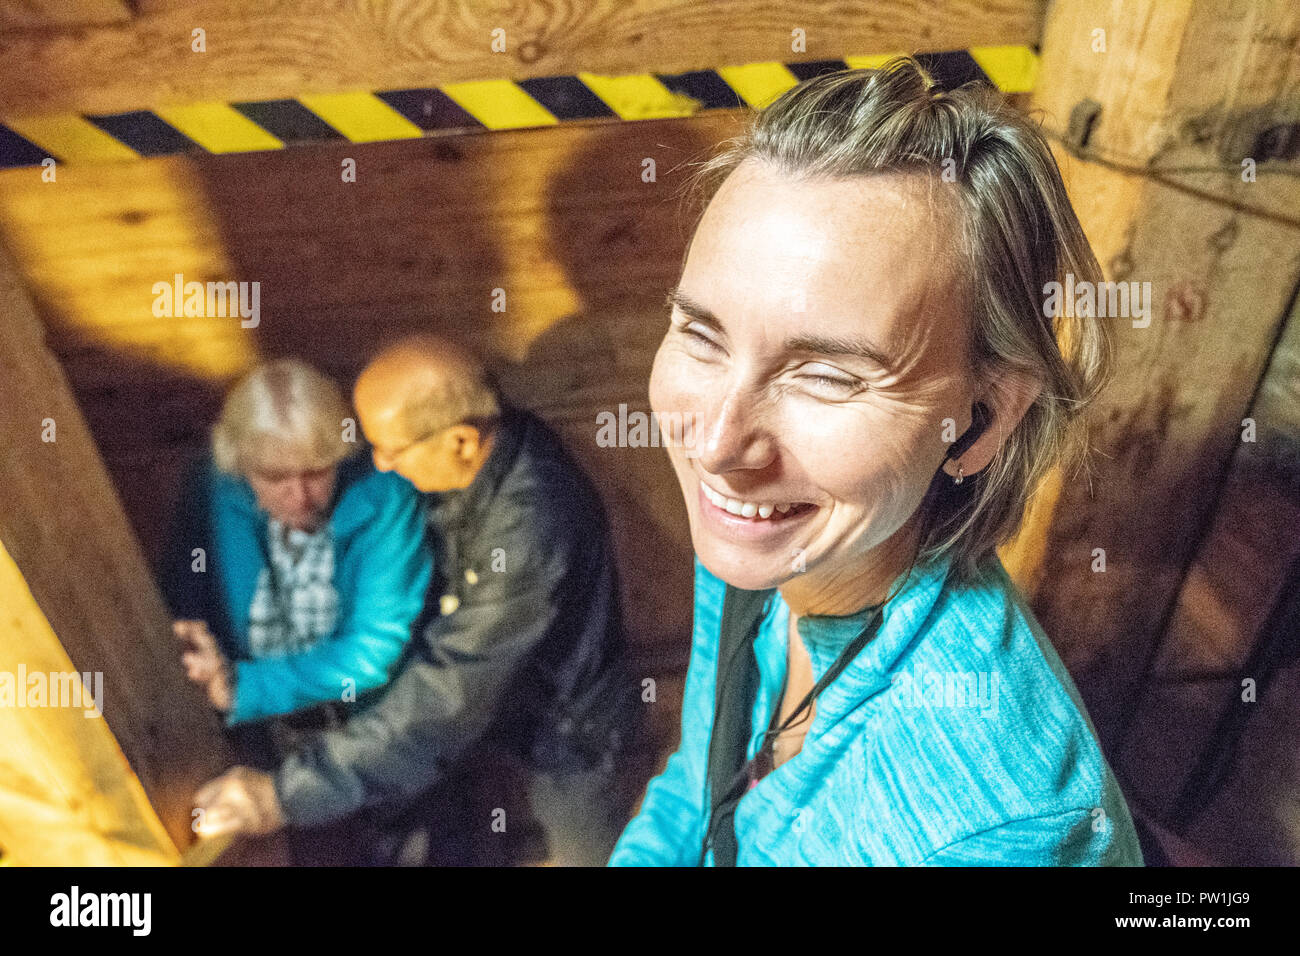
<point x="382" y="567"/>
<point x="955" y="738"/>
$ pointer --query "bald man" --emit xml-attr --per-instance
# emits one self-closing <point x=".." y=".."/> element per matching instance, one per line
<point x="521" y="641"/>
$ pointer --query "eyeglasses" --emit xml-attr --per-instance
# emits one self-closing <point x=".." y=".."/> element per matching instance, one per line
<point x="394" y="455"/>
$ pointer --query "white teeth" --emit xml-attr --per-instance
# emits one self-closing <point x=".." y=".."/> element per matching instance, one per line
<point x="743" y="509"/>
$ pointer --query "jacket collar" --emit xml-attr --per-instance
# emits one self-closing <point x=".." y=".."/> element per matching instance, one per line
<point x="462" y="506"/>
<point x="901" y="620"/>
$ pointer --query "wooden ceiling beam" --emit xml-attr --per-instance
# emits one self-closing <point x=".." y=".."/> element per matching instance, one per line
<point x="61" y="14"/>
<point x="259" y="50"/>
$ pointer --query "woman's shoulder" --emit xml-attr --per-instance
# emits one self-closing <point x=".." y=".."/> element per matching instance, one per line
<point x="365" y="490"/>
<point x="986" y="671"/>
<point x="985" y="679"/>
<point x="990" y="608"/>
<point x="997" y="629"/>
<point x="205" y="481"/>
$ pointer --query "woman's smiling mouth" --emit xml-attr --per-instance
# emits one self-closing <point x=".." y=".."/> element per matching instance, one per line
<point x="750" y="518"/>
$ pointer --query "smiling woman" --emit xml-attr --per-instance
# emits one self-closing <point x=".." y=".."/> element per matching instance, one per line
<point x="864" y="284"/>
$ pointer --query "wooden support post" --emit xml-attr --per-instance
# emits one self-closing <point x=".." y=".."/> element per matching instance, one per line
<point x="67" y="548"/>
<point x="1164" y="196"/>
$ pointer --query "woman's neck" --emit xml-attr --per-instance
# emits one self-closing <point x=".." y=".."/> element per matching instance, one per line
<point x="844" y="590"/>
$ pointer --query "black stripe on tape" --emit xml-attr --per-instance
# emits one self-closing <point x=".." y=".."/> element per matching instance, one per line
<point x="288" y="121"/>
<point x="806" y="71"/>
<point x="703" y="85"/>
<point x="567" y="97"/>
<point x="16" y="151"/>
<point x="429" y="109"/>
<point x="146" y="133"/>
<point x="951" y="70"/>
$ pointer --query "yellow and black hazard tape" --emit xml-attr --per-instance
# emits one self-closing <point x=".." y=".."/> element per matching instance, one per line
<point x="487" y="104"/>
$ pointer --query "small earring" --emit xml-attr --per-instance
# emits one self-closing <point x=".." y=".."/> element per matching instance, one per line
<point x="957" y="480"/>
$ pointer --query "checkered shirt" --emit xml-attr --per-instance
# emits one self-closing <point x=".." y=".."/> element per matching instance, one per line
<point x="295" y="604"/>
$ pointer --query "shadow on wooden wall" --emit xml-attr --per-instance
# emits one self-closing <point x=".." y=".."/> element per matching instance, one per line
<point x="561" y="221"/>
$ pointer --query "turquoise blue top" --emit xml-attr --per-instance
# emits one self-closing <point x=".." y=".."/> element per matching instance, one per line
<point x="955" y="738"/>
<point x="382" y="568"/>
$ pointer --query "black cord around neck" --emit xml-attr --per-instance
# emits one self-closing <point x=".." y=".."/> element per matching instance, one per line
<point x="740" y="781"/>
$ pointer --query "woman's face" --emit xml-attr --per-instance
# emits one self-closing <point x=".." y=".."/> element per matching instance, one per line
<point x="295" y="496"/>
<point x="816" y="343"/>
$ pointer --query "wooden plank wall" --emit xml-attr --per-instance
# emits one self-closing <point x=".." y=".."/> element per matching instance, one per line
<point x="560" y="219"/>
<point x="63" y="527"/>
<point x="64" y="798"/>
<point x="1154" y="641"/>
<point x="60" y="14"/>
<point x="1215" y="732"/>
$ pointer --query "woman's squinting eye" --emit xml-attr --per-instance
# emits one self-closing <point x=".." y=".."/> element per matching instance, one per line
<point x="691" y="330"/>
<point x="826" y="378"/>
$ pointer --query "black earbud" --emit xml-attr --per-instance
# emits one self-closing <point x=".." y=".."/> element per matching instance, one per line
<point x="980" y="418"/>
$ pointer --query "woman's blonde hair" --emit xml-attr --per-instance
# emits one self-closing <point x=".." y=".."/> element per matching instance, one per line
<point x="282" y="413"/>
<point x="1019" y="233"/>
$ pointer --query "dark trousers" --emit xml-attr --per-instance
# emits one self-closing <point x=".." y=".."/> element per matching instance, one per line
<point x="491" y="809"/>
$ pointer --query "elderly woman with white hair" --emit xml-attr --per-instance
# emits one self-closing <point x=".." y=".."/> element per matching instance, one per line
<point x="862" y="343"/>
<point x="296" y="569"/>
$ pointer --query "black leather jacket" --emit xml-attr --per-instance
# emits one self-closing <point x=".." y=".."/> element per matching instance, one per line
<point x="528" y="651"/>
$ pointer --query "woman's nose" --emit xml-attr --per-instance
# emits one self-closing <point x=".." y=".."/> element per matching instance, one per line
<point x="735" y="437"/>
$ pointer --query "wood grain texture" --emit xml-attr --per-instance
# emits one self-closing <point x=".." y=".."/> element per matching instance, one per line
<point x="1223" y="632"/>
<point x="67" y="797"/>
<point x="61" y="14"/>
<point x="1222" y="279"/>
<point x="267" y="49"/>
<point x="63" y="525"/>
<point x="584" y="249"/>
<point x="560" y="220"/>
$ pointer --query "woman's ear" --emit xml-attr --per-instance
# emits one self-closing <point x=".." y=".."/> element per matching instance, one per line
<point x="1007" y="400"/>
